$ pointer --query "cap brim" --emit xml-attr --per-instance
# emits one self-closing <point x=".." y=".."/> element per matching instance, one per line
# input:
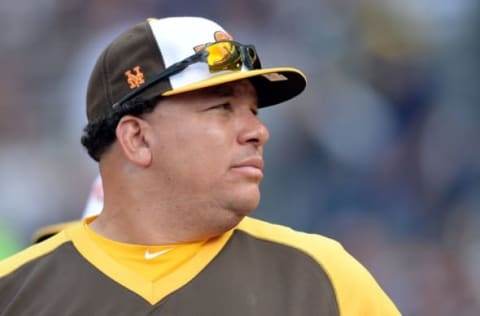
<point x="50" y="230"/>
<point x="273" y="85"/>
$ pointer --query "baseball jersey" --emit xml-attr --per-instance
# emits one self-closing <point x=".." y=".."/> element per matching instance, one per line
<point x="257" y="268"/>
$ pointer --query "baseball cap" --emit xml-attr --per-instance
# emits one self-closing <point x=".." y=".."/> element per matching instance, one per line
<point x="133" y="63"/>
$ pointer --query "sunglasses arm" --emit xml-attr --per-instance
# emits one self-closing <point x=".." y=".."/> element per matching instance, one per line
<point x="170" y="71"/>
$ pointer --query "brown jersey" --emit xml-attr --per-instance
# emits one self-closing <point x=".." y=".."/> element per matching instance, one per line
<point x="257" y="268"/>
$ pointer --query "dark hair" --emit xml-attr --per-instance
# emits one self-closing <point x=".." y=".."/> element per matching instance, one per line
<point x="99" y="134"/>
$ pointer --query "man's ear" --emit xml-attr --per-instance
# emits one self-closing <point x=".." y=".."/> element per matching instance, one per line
<point x="130" y="134"/>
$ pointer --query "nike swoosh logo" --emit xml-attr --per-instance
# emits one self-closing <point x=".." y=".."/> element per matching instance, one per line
<point x="151" y="255"/>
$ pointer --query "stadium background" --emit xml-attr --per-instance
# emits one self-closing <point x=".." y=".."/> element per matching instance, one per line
<point x="380" y="152"/>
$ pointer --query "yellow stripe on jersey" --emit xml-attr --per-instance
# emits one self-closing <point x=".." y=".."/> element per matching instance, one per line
<point x="31" y="253"/>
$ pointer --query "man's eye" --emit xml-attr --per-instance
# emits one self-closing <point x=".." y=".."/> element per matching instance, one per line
<point x="224" y="106"/>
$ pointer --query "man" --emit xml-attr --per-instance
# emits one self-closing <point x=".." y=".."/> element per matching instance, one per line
<point x="172" y="120"/>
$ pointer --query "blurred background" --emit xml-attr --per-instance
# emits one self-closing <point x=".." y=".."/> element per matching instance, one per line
<point x="380" y="152"/>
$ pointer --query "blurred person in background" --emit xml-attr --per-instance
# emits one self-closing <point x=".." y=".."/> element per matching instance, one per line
<point x="93" y="207"/>
<point x="172" y="120"/>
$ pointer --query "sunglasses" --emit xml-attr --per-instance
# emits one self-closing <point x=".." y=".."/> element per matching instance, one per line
<point x="219" y="56"/>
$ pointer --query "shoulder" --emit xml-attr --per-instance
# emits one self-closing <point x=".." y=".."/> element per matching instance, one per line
<point x="31" y="254"/>
<point x="327" y="252"/>
<point x="355" y="287"/>
<point x="311" y="244"/>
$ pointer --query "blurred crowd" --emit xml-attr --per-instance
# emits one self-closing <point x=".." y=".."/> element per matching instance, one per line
<point x="379" y="152"/>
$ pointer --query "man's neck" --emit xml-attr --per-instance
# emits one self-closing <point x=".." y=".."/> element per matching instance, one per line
<point x="157" y="230"/>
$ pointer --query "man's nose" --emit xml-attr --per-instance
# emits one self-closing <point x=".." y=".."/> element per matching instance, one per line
<point x="253" y="131"/>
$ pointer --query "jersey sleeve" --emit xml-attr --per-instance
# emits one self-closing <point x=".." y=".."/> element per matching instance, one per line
<point x="357" y="291"/>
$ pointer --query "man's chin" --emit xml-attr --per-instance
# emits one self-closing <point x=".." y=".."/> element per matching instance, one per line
<point x="240" y="199"/>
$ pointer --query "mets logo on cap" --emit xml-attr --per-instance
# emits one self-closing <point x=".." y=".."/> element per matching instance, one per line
<point x="135" y="77"/>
